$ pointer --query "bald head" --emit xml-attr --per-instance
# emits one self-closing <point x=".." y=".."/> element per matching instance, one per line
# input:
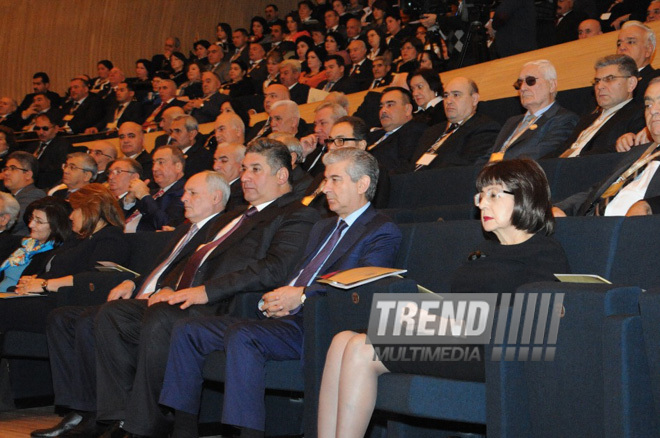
<point x="461" y="98"/>
<point x="131" y="139"/>
<point x="168" y="115"/>
<point x="229" y="128"/>
<point x="275" y="93"/>
<point x="227" y="160"/>
<point x="589" y="28"/>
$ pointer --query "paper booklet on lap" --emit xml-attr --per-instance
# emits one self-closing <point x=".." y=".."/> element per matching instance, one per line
<point x="582" y="278"/>
<point x="114" y="267"/>
<point x="7" y="295"/>
<point x="358" y="276"/>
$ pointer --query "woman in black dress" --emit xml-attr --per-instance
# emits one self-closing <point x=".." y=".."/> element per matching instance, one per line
<point x="514" y="199"/>
<point x="237" y="85"/>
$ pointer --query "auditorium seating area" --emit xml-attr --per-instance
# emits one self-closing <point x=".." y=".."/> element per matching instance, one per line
<point x="605" y="378"/>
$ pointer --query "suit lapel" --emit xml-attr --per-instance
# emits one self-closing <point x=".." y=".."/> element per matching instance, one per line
<point x="539" y="124"/>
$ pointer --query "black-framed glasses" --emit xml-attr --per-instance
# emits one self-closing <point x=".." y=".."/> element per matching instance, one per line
<point x="98" y="152"/>
<point x="490" y="195"/>
<point x="73" y="167"/>
<point x="529" y="80"/>
<point x="13" y="169"/>
<point x="116" y="172"/>
<point x="41" y="128"/>
<point x="339" y="141"/>
<point x="607" y="79"/>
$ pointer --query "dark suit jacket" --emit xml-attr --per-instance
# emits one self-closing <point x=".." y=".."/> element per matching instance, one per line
<point x="396" y="152"/>
<point x="166" y="210"/>
<point x="552" y="130"/>
<point x="132" y="113"/>
<point x="431" y="116"/>
<point x="159" y="114"/>
<point x="145" y="160"/>
<point x="50" y="163"/>
<point x="645" y="75"/>
<point x="53" y="113"/>
<point x="25" y="197"/>
<point x="198" y="158"/>
<point x="222" y="70"/>
<point x="584" y="203"/>
<point x="363" y="76"/>
<point x="368" y="109"/>
<point x="313" y="163"/>
<point x="464" y="147"/>
<point x="515" y="23"/>
<point x="567" y="28"/>
<point x="254" y="130"/>
<point x="257" y="75"/>
<point x="55" y="100"/>
<point x="161" y="140"/>
<point x="630" y="118"/>
<point x="343" y="85"/>
<point x="259" y="256"/>
<point x="211" y="108"/>
<point x="372" y="240"/>
<point x="88" y="114"/>
<point x="236" y="199"/>
<point x="13" y="121"/>
<point x="299" y="93"/>
<point x="300" y="181"/>
<point x="8" y="244"/>
<point x="243" y="56"/>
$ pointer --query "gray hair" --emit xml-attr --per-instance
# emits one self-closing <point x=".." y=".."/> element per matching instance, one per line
<point x="338" y="111"/>
<point x="625" y="63"/>
<point x="189" y="122"/>
<point x="89" y="165"/>
<point x="339" y="98"/>
<point x="290" y="106"/>
<point x="216" y="183"/>
<point x="650" y="35"/>
<point x="361" y="163"/>
<point x="291" y="142"/>
<point x="296" y="66"/>
<point x="547" y="68"/>
<point x="11" y="207"/>
<point x="134" y="165"/>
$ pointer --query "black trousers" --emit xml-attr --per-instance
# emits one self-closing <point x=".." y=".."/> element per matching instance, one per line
<point x="133" y="343"/>
<point x="72" y="349"/>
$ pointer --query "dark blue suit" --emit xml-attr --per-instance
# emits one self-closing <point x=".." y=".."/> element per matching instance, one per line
<point x="166" y="210"/>
<point x="372" y="240"/>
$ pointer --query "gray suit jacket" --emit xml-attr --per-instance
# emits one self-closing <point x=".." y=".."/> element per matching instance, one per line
<point x="25" y="197"/>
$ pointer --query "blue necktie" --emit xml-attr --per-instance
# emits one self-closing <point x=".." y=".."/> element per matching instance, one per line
<point x="307" y="273"/>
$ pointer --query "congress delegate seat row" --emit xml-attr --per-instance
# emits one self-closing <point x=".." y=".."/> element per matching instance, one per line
<point x="570" y="396"/>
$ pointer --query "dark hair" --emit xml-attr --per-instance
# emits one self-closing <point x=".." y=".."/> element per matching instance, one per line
<point x="431" y="77"/>
<point x="383" y="5"/>
<point x="360" y="128"/>
<point x="391" y="14"/>
<point x="239" y="109"/>
<point x="50" y="117"/>
<point x="241" y="30"/>
<point x="305" y="39"/>
<point x="96" y="203"/>
<point x="338" y="58"/>
<point x="407" y="95"/>
<point x="43" y="76"/>
<point x="241" y="64"/>
<point x="295" y="17"/>
<point x="181" y="56"/>
<point x="200" y="66"/>
<point x="339" y="38"/>
<point x="272" y="5"/>
<point x="361" y="163"/>
<point x="162" y="74"/>
<point x="277" y="55"/>
<point x="332" y="11"/>
<point x="106" y="63"/>
<point x="415" y="42"/>
<point x="319" y="53"/>
<point x="84" y="81"/>
<point x="57" y="214"/>
<point x="9" y="137"/>
<point x="276" y="153"/>
<point x="147" y="65"/>
<point x="532" y="210"/>
<point x="306" y="3"/>
<point x="261" y="21"/>
<point x="383" y="40"/>
<point x="226" y="27"/>
<point x="129" y="86"/>
<point x="624" y="63"/>
<point x="28" y="161"/>
<point x="203" y="43"/>
<point x="436" y="62"/>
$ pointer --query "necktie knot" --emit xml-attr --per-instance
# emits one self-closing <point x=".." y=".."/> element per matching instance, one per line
<point x="251" y="212"/>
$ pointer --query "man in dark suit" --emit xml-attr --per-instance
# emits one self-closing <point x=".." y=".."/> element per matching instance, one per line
<point x="185" y="132"/>
<point x="167" y="92"/>
<point x="325" y="116"/>
<point x="395" y="144"/>
<point x="78" y="171"/>
<point x="546" y="125"/>
<point x="568" y="20"/>
<point x="70" y="329"/>
<point x="19" y="180"/>
<point x="289" y="75"/>
<point x="615" y="80"/>
<point x="166" y="125"/>
<point x="41" y="104"/>
<point x="206" y="109"/>
<point x="382" y="73"/>
<point x="83" y="110"/>
<point x="123" y="109"/>
<point x="359" y="236"/>
<point x="242" y="52"/>
<point x="103" y="152"/>
<point x="161" y="61"/>
<point x="467" y="135"/>
<point x="227" y="161"/>
<point x="285" y="117"/>
<point x="331" y="20"/>
<point x="361" y="68"/>
<point x="252" y="250"/>
<point x="638" y="41"/>
<point x="274" y="93"/>
<point x="334" y="65"/>
<point x="636" y="178"/>
<point x="160" y="206"/>
<point x="50" y="151"/>
<point x="515" y="23"/>
<point x="257" y="71"/>
<point x="131" y="143"/>
<point x="217" y="63"/>
<point x="40" y="84"/>
<point x="9" y="116"/>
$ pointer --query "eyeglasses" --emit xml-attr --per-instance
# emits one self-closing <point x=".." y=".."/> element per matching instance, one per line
<point x="13" y="169"/>
<point x="607" y="79"/>
<point x="116" y="172"/>
<point x="98" y="152"/>
<point x="529" y="80"/>
<point x="41" y="128"/>
<point x="73" y="167"/>
<point x="490" y="195"/>
<point x="36" y="220"/>
<point x="339" y="141"/>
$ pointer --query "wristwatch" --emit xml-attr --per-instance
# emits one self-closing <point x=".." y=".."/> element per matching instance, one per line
<point x="303" y="297"/>
<point x="44" y="285"/>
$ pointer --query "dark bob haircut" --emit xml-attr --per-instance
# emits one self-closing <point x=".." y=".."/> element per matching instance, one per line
<point x="432" y="78"/>
<point x="57" y="213"/>
<point x="532" y="210"/>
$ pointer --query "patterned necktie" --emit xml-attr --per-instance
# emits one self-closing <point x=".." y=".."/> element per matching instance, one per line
<point x="160" y="268"/>
<point x="380" y="140"/>
<point x="40" y="150"/>
<point x="307" y="273"/>
<point x="195" y="261"/>
<point x="74" y="107"/>
<point x="439" y="142"/>
<point x="328" y="86"/>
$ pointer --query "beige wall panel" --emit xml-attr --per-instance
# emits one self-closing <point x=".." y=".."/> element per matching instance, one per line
<point x="68" y="37"/>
